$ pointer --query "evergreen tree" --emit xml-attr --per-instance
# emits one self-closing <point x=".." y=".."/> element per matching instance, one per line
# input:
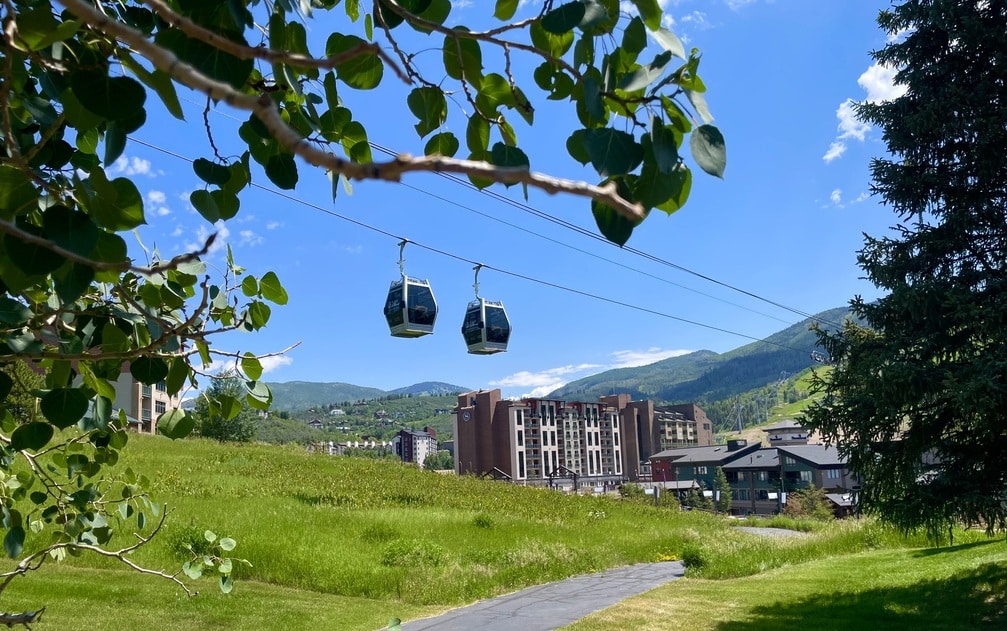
<point x="720" y="484"/>
<point x="917" y="399"/>
<point x="221" y="413"/>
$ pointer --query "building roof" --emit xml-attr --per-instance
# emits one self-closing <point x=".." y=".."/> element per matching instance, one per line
<point x="763" y="458"/>
<point x="783" y="426"/>
<point x="819" y="455"/>
<point x="713" y="453"/>
<point x="843" y="500"/>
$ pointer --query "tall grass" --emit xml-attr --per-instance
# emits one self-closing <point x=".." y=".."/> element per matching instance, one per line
<point x="394" y="534"/>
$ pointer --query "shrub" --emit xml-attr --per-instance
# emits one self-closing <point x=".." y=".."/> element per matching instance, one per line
<point x="413" y="552"/>
<point x="482" y="520"/>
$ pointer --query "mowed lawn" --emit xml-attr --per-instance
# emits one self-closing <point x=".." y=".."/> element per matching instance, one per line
<point x="960" y="587"/>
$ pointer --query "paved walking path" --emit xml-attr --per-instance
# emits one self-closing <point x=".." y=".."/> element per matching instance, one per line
<point x="554" y="605"/>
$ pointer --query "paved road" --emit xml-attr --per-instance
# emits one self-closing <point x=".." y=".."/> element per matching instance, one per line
<point x="550" y="606"/>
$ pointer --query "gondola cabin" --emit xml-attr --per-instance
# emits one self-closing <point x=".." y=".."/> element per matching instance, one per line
<point x="410" y="307"/>
<point x="486" y="328"/>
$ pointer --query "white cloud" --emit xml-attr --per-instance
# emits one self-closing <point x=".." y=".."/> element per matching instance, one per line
<point x="631" y="359"/>
<point x="861" y="197"/>
<point x="270" y="364"/>
<point x="836" y="149"/>
<point x="203" y="233"/>
<point x="156" y="197"/>
<point x="162" y="211"/>
<point x="735" y="5"/>
<point x="273" y="225"/>
<point x="525" y="378"/>
<point x="131" y="166"/>
<point x="836" y="196"/>
<point x="353" y="249"/>
<point x="249" y="237"/>
<point x="879" y="83"/>
<point x="849" y="124"/>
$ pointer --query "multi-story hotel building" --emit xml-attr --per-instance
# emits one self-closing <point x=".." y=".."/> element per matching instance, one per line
<point x="143" y="403"/>
<point x="538" y="441"/>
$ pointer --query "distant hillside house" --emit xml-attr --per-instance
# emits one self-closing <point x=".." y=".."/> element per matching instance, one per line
<point x="786" y="432"/>
<point x="315" y="424"/>
<point x="337" y="412"/>
<point x="414" y="446"/>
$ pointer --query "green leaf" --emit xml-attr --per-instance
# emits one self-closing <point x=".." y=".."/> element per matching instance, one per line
<point x="555" y="45"/>
<point x="271" y="289"/>
<point x="203" y="202"/>
<point x="211" y="172"/>
<point x="249" y="286"/>
<point x="227" y="544"/>
<point x="653" y="188"/>
<point x="17" y="192"/>
<point x="282" y="171"/>
<point x="226" y="584"/>
<point x="612" y="152"/>
<point x="645" y="75"/>
<point x="477" y="134"/>
<point x="505" y="9"/>
<point x="683" y="180"/>
<point x="227" y="203"/>
<point x="6" y="383"/>
<point x="64" y="406"/>
<point x="634" y="38"/>
<point x="113" y="340"/>
<point x="593" y="104"/>
<point x="33" y="436"/>
<point x="111" y="98"/>
<point x="251" y="366"/>
<point x="148" y="370"/>
<point x="116" y="205"/>
<point x="31" y="258"/>
<point x="13" y="542"/>
<point x="563" y="18"/>
<point x="437" y="12"/>
<point x="209" y="59"/>
<point x="258" y="315"/>
<point x="463" y="59"/>
<point x="193" y="569"/>
<point x="504" y="155"/>
<point x="363" y="71"/>
<point x="70" y="230"/>
<point x="13" y="312"/>
<point x="670" y="42"/>
<point x="225" y="566"/>
<point x="229" y="406"/>
<point x="576" y="146"/>
<point x="663" y="146"/>
<point x="444" y="144"/>
<point x="429" y="106"/>
<point x="259" y="395"/>
<point x="612" y="224"/>
<point x="175" y="424"/>
<point x="650" y="11"/>
<point x="708" y="149"/>
<point x="178" y="371"/>
<point x="699" y="103"/>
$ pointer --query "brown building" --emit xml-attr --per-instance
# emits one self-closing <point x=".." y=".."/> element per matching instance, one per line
<point x="143" y="404"/>
<point x="547" y="440"/>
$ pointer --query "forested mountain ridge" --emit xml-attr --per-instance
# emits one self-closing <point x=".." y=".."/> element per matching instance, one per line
<point x="301" y="395"/>
<point x="708" y="377"/>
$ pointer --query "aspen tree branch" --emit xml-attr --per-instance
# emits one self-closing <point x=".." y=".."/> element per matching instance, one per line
<point x="266" y="110"/>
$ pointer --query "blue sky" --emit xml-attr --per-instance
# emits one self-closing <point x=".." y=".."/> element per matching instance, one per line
<point x="784" y="223"/>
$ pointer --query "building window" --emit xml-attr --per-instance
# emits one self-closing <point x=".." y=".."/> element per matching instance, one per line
<point x="762" y="495"/>
<point x="160" y="407"/>
<point x="701" y="470"/>
<point x="789" y="460"/>
<point x="520" y="438"/>
<point x="162" y="386"/>
<point x="740" y="495"/>
<point x="519" y="417"/>
<point x="806" y="476"/>
<point x="520" y="464"/>
<point x="833" y="474"/>
<point x="761" y="476"/>
<point x="706" y="426"/>
<point x="742" y="476"/>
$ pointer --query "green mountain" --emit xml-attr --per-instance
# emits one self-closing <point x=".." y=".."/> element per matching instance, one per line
<point x="705" y="376"/>
<point x="301" y="395"/>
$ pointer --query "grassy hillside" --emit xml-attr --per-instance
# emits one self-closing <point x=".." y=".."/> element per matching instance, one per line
<point x="379" y="539"/>
<point x="300" y="395"/>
